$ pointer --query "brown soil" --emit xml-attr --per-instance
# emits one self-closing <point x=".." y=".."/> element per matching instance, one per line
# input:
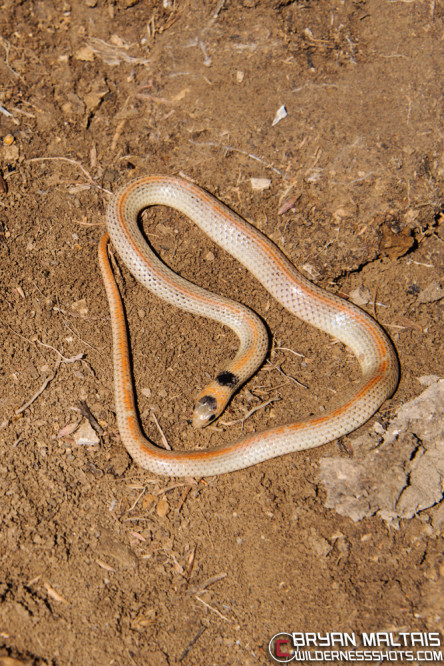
<point x="102" y="563"/>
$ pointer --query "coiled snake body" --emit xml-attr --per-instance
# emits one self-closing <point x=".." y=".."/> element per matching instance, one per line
<point x="329" y="313"/>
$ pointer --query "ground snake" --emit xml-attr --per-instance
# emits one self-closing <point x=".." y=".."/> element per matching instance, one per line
<point x="327" y="312"/>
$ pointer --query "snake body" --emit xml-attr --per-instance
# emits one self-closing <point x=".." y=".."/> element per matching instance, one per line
<point x="325" y="311"/>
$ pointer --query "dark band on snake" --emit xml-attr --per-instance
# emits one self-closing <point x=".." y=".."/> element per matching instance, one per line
<point x="227" y="378"/>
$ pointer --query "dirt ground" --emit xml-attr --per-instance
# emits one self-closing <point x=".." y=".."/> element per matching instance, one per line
<point x="101" y="562"/>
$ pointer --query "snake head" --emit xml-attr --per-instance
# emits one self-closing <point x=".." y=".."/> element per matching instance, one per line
<point x="205" y="411"/>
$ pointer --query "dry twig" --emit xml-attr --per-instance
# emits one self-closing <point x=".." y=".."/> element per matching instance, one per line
<point x="250" y="413"/>
<point x="40" y="391"/>
<point x="212" y="609"/>
<point x="192" y="642"/>
<point x="232" y="149"/>
<point x="164" y="439"/>
<point x="75" y="163"/>
<point x="200" y="587"/>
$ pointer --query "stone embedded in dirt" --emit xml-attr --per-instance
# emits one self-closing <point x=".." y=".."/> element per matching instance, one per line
<point x="109" y="545"/>
<point x="360" y="296"/>
<point x="85" y="53"/>
<point x="428" y="380"/>
<point x="162" y="508"/>
<point x="260" y="183"/>
<point x="395" y="245"/>
<point x="433" y="292"/>
<point x="119" y="463"/>
<point x="398" y="476"/>
<point x="10" y="153"/>
<point x="80" y="307"/>
<point x="85" y="435"/>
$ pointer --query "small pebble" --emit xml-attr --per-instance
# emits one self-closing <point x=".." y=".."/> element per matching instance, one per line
<point x="86" y="436"/>
<point x="360" y="296"/>
<point x="280" y="114"/>
<point x="260" y="183"/>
